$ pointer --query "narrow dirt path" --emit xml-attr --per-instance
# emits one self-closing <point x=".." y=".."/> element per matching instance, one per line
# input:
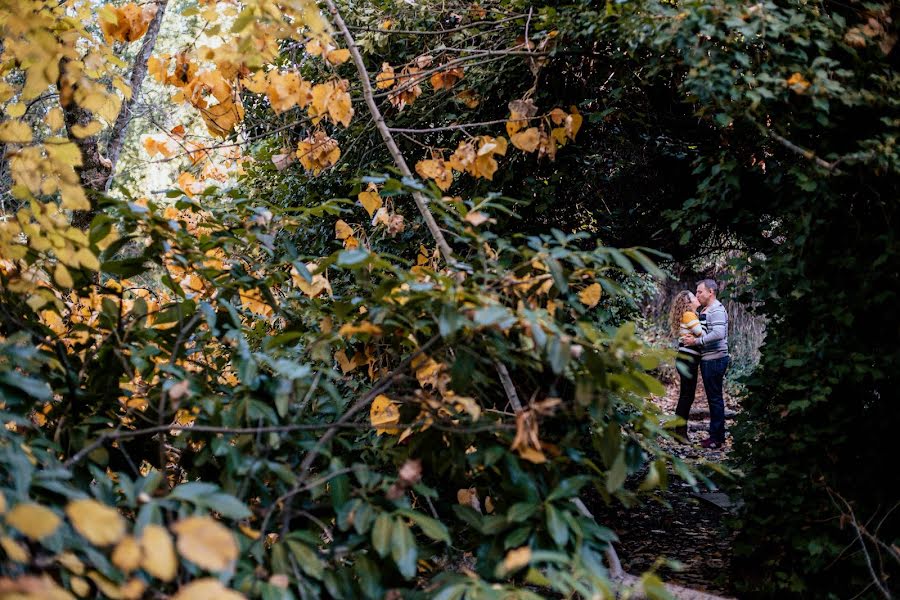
<point x="680" y="532"/>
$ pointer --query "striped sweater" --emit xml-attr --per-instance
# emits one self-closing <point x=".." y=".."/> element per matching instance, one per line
<point x="690" y="325"/>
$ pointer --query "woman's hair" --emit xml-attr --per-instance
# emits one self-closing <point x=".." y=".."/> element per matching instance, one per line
<point x="680" y="305"/>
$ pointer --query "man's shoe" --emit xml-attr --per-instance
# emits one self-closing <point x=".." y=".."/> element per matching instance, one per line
<point x="711" y="444"/>
<point x="681" y="434"/>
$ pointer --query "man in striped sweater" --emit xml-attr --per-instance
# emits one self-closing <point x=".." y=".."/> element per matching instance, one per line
<point x="714" y="359"/>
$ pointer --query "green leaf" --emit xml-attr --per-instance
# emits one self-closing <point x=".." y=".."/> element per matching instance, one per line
<point x="307" y="558"/>
<point x="556" y="526"/>
<point x="616" y="475"/>
<point x="403" y="549"/>
<point x="520" y="511"/>
<point x="227" y="506"/>
<point x="35" y="388"/>
<point x="381" y="534"/>
<point x="430" y="527"/>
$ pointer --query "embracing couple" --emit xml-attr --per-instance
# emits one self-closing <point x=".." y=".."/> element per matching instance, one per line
<point x="701" y="324"/>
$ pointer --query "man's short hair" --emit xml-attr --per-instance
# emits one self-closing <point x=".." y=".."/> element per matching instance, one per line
<point x="710" y="284"/>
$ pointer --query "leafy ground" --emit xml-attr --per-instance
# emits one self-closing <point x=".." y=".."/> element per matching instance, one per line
<point x="681" y="525"/>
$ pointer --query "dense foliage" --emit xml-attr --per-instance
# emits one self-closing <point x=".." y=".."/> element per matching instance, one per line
<point x="280" y="344"/>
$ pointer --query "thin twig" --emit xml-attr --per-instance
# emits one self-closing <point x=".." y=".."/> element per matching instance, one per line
<point x="438" y="32"/>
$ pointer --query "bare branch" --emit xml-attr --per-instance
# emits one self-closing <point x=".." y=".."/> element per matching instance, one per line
<point x="438" y="32"/>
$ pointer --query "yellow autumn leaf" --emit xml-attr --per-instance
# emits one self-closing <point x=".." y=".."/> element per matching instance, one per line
<point x="590" y="295"/>
<point x="80" y="586"/>
<point x="158" y="559"/>
<point x="797" y="82"/>
<point x="365" y="327"/>
<point x="312" y="289"/>
<point x="87" y="130"/>
<point x="573" y="122"/>
<point x="438" y="170"/>
<point x="528" y="140"/>
<point x="127" y="554"/>
<point x="337" y="57"/>
<point x="63" y="152"/>
<point x="475" y="217"/>
<point x="370" y="199"/>
<point x="14" y="550"/>
<point x="341" y="230"/>
<point x="107" y="587"/>
<point x="516" y="559"/>
<point x="206" y="589"/>
<point x="133" y="589"/>
<point x="15" y="132"/>
<point x="100" y="524"/>
<point x="55" y="119"/>
<point x="206" y="543"/>
<point x="383" y="414"/>
<point x="2" y="504"/>
<point x="33" y="520"/>
<point x="385" y="79"/>
<point x="71" y="562"/>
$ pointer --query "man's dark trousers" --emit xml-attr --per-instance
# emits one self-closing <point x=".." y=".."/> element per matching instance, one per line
<point x="713" y="372"/>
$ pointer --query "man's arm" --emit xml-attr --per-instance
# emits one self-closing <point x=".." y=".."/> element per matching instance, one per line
<point x="717" y="327"/>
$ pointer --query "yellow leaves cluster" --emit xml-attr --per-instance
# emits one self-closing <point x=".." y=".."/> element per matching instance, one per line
<point x="405" y="86"/>
<point x="344" y="233"/>
<point x="556" y="128"/>
<point x="476" y="157"/>
<point x="332" y="99"/>
<point x="175" y="70"/>
<point x="209" y="91"/>
<point x="201" y="540"/>
<point x="437" y="169"/>
<point x="284" y="90"/>
<point x="318" y="152"/>
<point x="126" y="23"/>
<point x="526" y="442"/>
<point x="363" y="327"/>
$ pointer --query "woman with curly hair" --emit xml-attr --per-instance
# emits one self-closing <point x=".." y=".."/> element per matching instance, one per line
<point x="683" y="321"/>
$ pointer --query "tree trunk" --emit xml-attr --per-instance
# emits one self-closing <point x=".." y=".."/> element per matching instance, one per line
<point x="97" y="169"/>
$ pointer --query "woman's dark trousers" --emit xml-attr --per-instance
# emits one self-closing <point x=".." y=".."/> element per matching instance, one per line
<point x="687" y="365"/>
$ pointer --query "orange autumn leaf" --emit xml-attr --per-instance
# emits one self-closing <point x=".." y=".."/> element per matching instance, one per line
<point x="126" y="23"/>
<point x="528" y="140"/>
<point x="385" y="79"/>
<point x="446" y="79"/>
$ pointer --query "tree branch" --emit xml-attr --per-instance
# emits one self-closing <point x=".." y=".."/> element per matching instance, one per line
<point x="419" y="198"/>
